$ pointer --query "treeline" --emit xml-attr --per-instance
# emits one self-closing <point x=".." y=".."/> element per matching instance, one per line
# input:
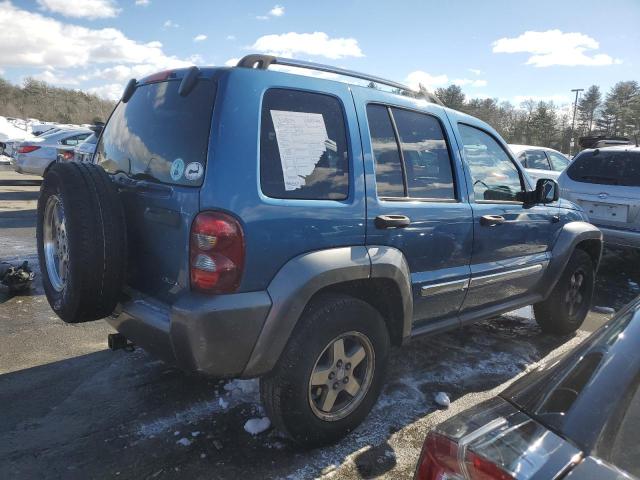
<point x="36" y="99"/>
<point x="545" y="124"/>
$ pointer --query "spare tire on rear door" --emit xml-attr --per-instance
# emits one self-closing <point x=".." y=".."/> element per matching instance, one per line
<point x="81" y="241"/>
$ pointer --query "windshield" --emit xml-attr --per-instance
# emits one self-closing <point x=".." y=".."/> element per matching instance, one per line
<point x="159" y="135"/>
<point x="607" y="167"/>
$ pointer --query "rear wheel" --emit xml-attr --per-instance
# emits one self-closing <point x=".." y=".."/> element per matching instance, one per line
<point x="567" y="306"/>
<point x="331" y="372"/>
<point x="81" y="241"/>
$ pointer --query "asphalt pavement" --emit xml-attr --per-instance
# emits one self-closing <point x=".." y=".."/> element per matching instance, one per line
<point x="73" y="409"/>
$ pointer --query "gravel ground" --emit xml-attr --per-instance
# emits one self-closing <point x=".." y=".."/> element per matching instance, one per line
<point x="73" y="409"/>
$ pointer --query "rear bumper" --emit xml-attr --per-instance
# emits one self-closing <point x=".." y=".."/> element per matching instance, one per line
<point x="621" y="238"/>
<point x="30" y="165"/>
<point x="212" y="335"/>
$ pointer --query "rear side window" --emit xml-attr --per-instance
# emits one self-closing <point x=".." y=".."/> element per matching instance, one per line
<point x="558" y="162"/>
<point x="303" y="146"/>
<point x="537" y="159"/>
<point x="417" y="152"/>
<point x="159" y="135"/>
<point x="607" y="168"/>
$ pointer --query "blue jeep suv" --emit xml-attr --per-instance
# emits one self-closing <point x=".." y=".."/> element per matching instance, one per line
<point x="249" y="222"/>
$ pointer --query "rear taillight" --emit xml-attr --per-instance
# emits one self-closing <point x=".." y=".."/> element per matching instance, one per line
<point x="66" y="155"/>
<point x="27" y="149"/>
<point x="217" y="253"/>
<point x="440" y="460"/>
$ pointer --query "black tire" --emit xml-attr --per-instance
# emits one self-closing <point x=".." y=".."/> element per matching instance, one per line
<point x="556" y="314"/>
<point x="286" y="391"/>
<point x="94" y="240"/>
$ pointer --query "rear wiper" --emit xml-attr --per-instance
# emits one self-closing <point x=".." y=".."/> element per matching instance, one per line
<point x="144" y="176"/>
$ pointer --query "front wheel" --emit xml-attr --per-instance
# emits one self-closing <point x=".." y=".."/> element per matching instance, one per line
<point x="567" y="306"/>
<point x="331" y="372"/>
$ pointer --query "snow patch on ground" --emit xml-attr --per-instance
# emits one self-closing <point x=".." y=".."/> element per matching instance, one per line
<point x="185" y="442"/>
<point x="237" y="392"/>
<point x="254" y="426"/>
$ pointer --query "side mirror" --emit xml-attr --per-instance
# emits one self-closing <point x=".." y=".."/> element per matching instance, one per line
<point x="547" y="191"/>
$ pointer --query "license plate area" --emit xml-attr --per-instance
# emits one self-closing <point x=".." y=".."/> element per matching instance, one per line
<point x="606" y="211"/>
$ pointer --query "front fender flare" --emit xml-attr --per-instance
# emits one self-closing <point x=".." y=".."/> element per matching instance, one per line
<point x="568" y="239"/>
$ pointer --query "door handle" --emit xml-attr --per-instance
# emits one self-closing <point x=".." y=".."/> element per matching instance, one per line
<point x="555" y="218"/>
<point x="491" y="220"/>
<point x="392" y="221"/>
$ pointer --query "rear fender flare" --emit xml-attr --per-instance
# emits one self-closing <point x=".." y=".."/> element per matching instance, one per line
<point x="301" y="278"/>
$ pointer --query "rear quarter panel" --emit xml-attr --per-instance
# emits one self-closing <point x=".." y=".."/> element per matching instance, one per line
<point x="276" y="230"/>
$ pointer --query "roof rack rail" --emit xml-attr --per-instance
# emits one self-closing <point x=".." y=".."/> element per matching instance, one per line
<point x="263" y="62"/>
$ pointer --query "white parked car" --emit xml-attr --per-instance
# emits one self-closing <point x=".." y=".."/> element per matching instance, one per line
<point x="540" y="162"/>
<point x="35" y="156"/>
<point x="605" y="182"/>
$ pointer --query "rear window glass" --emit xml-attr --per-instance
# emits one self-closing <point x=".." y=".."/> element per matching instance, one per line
<point x="537" y="159"/>
<point x="303" y="146"/>
<point x="159" y="135"/>
<point x="607" y="168"/>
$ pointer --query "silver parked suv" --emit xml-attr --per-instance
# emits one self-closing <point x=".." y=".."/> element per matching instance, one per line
<point x="606" y="183"/>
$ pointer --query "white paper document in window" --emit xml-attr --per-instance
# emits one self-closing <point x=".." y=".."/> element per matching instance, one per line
<point x="301" y="140"/>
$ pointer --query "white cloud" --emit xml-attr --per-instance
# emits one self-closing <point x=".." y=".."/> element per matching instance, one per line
<point x="277" y="11"/>
<point x="475" y="71"/>
<point x="430" y="82"/>
<point x="232" y="62"/>
<point x="554" y="47"/>
<point x="143" y="3"/>
<point x="199" y="38"/>
<point x="111" y="91"/>
<point x="170" y="24"/>
<point x="30" y="39"/>
<point x="317" y="43"/>
<point x="231" y="37"/>
<point x="462" y="82"/>
<point x="52" y="76"/>
<point x="90" y="9"/>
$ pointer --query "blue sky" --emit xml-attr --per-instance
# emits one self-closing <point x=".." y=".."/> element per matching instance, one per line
<point x="511" y="50"/>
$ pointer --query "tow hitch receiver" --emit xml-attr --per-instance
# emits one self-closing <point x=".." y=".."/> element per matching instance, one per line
<point x="117" y="341"/>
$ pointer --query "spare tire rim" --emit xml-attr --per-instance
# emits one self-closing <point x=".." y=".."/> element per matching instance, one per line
<point x="341" y="376"/>
<point x="56" y="245"/>
<point x="576" y="292"/>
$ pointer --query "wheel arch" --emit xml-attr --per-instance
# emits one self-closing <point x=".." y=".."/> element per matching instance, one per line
<point x="381" y="279"/>
<point x="573" y="235"/>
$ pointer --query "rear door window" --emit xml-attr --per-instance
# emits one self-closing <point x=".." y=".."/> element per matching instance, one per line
<point x="303" y="146"/>
<point x="607" y="168"/>
<point x="389" y="178"/>
<point x="411" y="160"/>
<point x="558" y="162"/>
<point x="159" y="135"/>
<point x="426" y="156"/>
<point x="537" y="159"/>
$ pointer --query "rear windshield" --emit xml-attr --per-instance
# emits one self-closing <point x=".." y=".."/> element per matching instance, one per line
<point x="607" y="168"/>
<point x="159" y="135"/>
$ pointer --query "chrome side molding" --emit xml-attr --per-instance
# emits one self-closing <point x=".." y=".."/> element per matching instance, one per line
<point x="446" y="287"/>
<point x="505" y="276"/>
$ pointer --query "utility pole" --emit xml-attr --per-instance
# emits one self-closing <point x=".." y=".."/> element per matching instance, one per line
<point x="573" y="122"/>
